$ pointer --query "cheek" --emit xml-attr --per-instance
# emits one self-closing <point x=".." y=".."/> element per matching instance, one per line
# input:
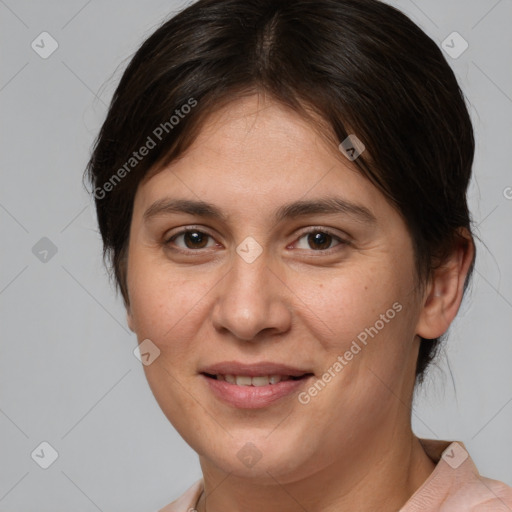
<point x="163" y="302"/>
<point x="371" y="319"/>
<point x="343" y="305"/>
<point x="362" y="319"/>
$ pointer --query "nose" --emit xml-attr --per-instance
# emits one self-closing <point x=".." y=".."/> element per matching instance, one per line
<point x="252" y="301"/>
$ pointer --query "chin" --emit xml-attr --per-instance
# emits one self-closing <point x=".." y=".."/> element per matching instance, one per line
<point x="262" y="460"/>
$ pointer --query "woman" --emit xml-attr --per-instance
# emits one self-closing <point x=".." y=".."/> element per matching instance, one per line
<point x="281" y="191"/>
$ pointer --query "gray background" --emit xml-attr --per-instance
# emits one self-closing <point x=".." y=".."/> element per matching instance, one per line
<point x="67" y="372"/>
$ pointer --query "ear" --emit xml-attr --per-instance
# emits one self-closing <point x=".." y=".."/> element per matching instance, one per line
<point x="444" y="292"/>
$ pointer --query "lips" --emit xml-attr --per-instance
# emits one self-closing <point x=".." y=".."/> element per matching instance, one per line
<point x="230" y="370"/>
<point x="246" y="380"/>
<point x="260" y="380"/>
<point x="252" y="386"/>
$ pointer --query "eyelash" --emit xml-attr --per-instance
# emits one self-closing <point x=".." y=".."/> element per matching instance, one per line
<point x="342" y="242"/>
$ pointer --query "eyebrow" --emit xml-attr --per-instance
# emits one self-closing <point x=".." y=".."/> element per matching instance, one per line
<point x="296" y="209"/>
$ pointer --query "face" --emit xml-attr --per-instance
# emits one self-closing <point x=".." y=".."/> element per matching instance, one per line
<point x="322" y="300"/>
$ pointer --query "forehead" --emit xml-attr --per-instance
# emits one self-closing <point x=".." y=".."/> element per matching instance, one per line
<point x="258" y="155"/>
<point x="239" y="128"/>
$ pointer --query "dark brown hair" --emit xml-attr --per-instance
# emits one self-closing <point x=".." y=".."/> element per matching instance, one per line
<point x="355" y="66"/>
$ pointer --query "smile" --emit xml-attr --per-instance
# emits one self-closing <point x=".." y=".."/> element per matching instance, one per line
<point x="262" y="380"/>
<point x="253" y="392"/>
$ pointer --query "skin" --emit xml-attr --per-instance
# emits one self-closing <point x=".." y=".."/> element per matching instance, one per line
<point x="300" y="303"/>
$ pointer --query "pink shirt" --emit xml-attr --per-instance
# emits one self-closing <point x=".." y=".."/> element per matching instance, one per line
<point x="454" y="486"/>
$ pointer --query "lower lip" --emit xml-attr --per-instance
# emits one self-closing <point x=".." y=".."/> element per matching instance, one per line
<point x="253" y="397"/>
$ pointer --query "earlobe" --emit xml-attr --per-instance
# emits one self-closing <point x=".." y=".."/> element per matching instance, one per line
<point x="445" y="290"/>
<point x="129" y="320"/>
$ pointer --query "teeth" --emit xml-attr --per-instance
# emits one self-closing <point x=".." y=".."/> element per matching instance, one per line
<point x="245" y="380"/>
<point x="260" y="381"/>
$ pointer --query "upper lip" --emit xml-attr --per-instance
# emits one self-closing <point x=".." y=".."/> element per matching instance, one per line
<point x="253" y="370"/>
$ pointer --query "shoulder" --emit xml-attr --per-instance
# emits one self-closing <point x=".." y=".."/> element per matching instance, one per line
<point x="187" y="501"/>
<point x="456" y="484"/>
<point x="480" y="495"/>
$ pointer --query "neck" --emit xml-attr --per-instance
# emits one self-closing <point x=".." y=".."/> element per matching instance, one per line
<point x="374" y="475"/>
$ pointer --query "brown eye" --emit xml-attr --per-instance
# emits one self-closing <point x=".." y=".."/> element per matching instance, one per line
<point x="320" y="240"/>
<point x="193" y="239"/>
